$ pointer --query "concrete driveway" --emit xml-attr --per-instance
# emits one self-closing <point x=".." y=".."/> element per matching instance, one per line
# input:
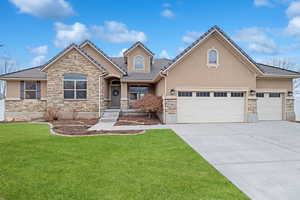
<point x="262" y="159"/>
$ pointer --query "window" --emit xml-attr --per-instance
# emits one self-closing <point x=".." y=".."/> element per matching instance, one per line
<point x="138" y="92"/>
<point x="75" y="86"/>
<point x="185" y="94"/>
<point x="237" y="94"/>
<point x="203" y="94"/>
<point x="139" y="63"/>
<point x="260" y="95"/>
<point x="30" y="90"/>
<point x="274" y="95"/>
<point x="213" y="57"/>
<point x="220" y="94"/>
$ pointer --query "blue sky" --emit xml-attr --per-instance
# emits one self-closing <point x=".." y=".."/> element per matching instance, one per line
<point x="33" y="31"/>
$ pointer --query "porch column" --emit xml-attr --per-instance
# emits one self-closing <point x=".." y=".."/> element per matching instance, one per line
<point x="124" y="96"/>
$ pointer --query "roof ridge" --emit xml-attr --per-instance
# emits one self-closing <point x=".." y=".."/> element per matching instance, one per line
<point x="102" y="52"/>
<point x="215" y="27"/>
<point x="278" y="68"/>
<point x="138" y="43"/>
<point x="40" y="66"/>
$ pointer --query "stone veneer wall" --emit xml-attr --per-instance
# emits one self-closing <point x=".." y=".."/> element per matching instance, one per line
<point x="74" y="62"/>
<point x="289" y="109"/>
<point x="170" y="109"/>
<point x="24" y="110"/>
<point x="251" y="115"/>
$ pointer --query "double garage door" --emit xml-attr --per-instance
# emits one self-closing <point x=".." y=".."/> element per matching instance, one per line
<point x="197" y="107"/>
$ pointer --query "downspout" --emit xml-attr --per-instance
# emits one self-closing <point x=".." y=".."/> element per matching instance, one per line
<point x="100" y="92"/>
<point x="165" y="94"/>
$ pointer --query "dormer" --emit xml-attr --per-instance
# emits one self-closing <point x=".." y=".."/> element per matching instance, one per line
<point x="138" y="58"/>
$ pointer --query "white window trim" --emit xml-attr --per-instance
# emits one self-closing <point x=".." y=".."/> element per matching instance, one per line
<point x="134" y="62"/>
<point x="207" y="60"/>
<point x="26" y="90"/>
<point x="75" y="89"/>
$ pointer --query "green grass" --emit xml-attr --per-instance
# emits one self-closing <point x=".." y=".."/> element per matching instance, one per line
<point x="155" y="165"/>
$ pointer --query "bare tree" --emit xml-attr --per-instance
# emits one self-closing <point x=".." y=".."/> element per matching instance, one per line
<point x="286" y="63"/>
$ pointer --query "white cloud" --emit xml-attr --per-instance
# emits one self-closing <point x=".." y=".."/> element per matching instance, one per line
<point x="164" y="54"/>
<point x="293" y="9"/>
<point x="260" y="3"/>
<point x="121" y="52"/>
<point x="117" y="32"/>
<point x="38" y="60"/>
<point x="257" y="40"/>
<point x="191" y="36"/>
<point x="293" y="27"/>
<point x="167" y="13"/>
<point x="67" y="34"/>
<point x="40" y="50"/>
<point x="45" y="8"/>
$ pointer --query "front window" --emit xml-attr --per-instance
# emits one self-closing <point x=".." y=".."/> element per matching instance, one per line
<point x="75" y="86"/>
<point x="213" y="57"/>
<point x="139" y="63"/>
<point x="138" y="92"/>
<point x="30" y="89"/>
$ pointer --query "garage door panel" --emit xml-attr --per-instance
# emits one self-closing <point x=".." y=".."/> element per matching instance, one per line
<point x="269" y="108"/>
<point x="210" y="109"/>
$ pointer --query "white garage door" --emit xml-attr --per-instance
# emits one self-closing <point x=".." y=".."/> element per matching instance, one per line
<point x="269" y="106"/>
<point x="197" y="107"/>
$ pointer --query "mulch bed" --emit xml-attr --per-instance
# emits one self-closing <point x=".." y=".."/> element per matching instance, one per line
<point x="136" y="120"/>
<point x="83" y="130"/>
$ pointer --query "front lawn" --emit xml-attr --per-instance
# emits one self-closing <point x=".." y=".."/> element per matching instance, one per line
<point x="155" y="165"/>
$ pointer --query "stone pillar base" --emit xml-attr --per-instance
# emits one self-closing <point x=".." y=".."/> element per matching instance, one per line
<point x="290" y="116"/>
<point x="124" y="104"/>
<point x="170" y="109"/>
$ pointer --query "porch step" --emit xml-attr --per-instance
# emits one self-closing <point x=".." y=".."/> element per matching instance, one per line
<point x="110" y="115"/>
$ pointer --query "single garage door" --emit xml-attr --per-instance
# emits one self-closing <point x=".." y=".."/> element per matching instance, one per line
<point x="197" y="107"/>
<point x="269" y="106"/>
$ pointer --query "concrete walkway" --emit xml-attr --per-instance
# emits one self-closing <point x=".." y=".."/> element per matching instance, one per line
<point x="110" y="126"/>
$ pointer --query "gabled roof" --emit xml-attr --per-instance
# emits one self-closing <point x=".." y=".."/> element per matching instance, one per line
<point x="136" y="45"/>
<point x="202" y="38"/>
<point x="270" y="70"/>
<point x="30" y="73"/>
<point x="66" y="50"/>
<point x="103" y="54"/>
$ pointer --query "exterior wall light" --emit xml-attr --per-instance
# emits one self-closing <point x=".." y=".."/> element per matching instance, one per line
<point x="252" y="92"/>
<point x="290" y="93"/>
<point x="172" y="92"/>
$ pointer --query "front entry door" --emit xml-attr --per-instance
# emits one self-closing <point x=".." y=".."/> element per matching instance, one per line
<point x="115" y="96"/>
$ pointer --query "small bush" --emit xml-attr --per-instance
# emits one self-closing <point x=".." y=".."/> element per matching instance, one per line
<point x="150" y="103"/>
<point x="51" y="114"/>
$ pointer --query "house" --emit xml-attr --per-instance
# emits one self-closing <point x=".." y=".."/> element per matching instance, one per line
<point x="212" y="80"/>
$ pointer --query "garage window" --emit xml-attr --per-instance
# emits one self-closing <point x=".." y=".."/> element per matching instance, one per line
<point x="260" y="95"/>
<point x="274" y="95"/>
<point x="220" y="94"/>
<point x="185" y="94"/>
<point x="203" y="94"/>
<point x="237" y="94"/>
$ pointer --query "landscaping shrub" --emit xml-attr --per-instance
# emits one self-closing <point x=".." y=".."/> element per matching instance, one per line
<point x="51" y="114"/>
<point x="150" y="104"/>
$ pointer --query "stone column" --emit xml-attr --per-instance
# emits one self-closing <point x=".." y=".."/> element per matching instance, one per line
<point x="289" y="108"/>
<point x="170" y="109"/>
<point x="251" y="115"/>
<point x="124" y="96"/>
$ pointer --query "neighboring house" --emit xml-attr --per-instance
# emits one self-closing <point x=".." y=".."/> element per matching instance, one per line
<point x="212" y="80"/>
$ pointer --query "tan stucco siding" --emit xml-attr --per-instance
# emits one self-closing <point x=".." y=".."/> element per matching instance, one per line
<point x="103" y="61"/>
<point x="192" y="71"/>
<point x="160" y="88"/>
<point x="141" y="52"/>
<point x="13" y="89"/>
<point x="286" y="84"/>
